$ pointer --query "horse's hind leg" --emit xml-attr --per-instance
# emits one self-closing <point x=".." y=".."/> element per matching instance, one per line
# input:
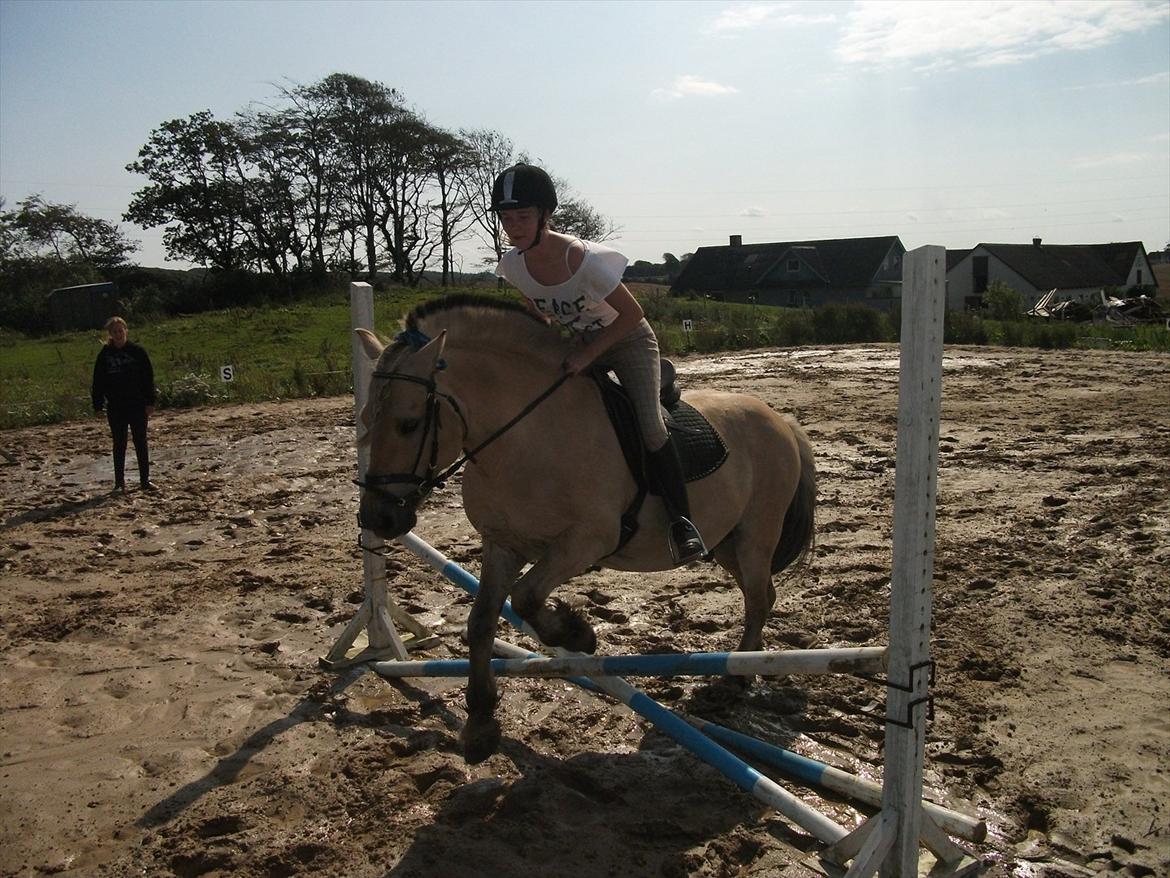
<point x="750" y="564"/>
<point x="481" y="733"/>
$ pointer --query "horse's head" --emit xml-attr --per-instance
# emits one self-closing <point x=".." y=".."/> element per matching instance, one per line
<point x="411" y="429"/>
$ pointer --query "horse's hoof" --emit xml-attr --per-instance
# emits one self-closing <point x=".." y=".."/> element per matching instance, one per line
<point x="582" y="640"/>
<point x="481" y="739"/>
<point x="571" y="630"/>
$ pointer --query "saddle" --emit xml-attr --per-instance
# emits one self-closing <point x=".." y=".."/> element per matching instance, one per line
<point x="700" y="447"/>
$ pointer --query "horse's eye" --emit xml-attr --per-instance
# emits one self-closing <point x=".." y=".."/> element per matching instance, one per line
<point x="409" y="426"/>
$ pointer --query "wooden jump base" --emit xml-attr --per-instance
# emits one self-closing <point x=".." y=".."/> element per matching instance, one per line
<point x="891" y="839"/>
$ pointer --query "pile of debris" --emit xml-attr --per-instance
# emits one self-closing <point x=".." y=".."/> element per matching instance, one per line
<point x="1123" y="312"/>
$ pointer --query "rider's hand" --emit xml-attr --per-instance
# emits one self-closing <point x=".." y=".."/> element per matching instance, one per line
<point x="576" y="362"/>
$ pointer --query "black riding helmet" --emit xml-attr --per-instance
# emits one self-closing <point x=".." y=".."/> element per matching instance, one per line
<point x="524" y="186"/>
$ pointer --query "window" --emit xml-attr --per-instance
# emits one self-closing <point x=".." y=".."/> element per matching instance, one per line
<point x="793" y="266"/>
<point x="979" y="273"/>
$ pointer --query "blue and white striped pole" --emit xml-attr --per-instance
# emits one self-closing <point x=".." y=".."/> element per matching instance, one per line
<point x="734" y="768"/>
<point x="819" y="774"/>
<point x="866" y="659"/>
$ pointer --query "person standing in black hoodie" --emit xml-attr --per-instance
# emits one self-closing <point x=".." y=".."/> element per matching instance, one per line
<point x="123" y="383"/>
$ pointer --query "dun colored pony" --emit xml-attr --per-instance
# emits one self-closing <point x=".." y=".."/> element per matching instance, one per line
<point x="550" y="490"/>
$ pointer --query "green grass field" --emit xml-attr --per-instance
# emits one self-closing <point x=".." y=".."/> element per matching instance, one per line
<point x="304" y="349"/>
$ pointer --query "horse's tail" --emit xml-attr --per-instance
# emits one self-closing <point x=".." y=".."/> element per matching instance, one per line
<point x="797" y="537"/>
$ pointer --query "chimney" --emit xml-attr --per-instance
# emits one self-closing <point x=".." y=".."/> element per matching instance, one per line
<point x="1035" y="242"/>
<point x="736" y="240"/>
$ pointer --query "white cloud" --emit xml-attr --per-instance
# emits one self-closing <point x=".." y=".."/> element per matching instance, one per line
<point x="687" y="86"/>
<point x="1152" y="79"/>
<point x="753" y="16"/>
<point x="1106" y="161"/>
<point x="753" y="212"/>
<point x="949" y="34"/>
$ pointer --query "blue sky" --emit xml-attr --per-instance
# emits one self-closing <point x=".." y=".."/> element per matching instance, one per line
<point x="944" y="123"/>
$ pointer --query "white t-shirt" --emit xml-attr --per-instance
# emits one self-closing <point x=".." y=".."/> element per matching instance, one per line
<point x="578" y="303"/>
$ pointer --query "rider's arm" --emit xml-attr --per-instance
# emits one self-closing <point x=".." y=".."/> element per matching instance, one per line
<point x="629" y="315"/>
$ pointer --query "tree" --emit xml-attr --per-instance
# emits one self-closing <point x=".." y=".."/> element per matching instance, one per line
<point x="39" y="229"/>
<point x="489" y="153"/>
<point x="360" y="115"/>
<point x="673" y="266"/>
<point x="407" y="220"/>
<point x="1003" y="302"/>
<point x="316" y="168"/>
<point x="197" y="190"/>
<point x="578" y="218"/>
<point x="451" y="158"/>
<point x="45" y="245"/>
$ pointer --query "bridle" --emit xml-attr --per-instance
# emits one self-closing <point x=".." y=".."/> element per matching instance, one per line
<point x="424" y="485"/>
<point x="432" y="422"/>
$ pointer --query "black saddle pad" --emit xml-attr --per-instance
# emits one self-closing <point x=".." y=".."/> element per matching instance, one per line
<point x="699" y="445"/>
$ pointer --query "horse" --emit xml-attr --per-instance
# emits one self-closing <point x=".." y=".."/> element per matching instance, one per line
<point x="545" y="482"/>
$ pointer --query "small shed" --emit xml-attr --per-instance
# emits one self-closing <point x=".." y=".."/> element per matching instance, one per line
<point x="87" y="306"/>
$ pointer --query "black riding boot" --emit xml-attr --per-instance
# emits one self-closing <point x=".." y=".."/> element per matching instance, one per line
<point x="666" y="475"/>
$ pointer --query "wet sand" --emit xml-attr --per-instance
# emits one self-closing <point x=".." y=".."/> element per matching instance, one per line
<point x="162" y="712"/>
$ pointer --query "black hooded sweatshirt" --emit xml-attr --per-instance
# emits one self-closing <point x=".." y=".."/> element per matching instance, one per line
<point x="123" y="377"/>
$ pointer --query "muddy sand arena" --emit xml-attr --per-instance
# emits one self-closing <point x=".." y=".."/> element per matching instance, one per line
<point x="162" y="712"/>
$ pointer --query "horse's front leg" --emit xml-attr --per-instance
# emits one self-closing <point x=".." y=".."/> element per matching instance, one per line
<point x="567" y="556"/>
<point x="481" y="733"/>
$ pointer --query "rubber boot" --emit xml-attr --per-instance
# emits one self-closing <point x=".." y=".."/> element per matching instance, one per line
<point x="144" y="475"/>
<point x="665" y="469"/>
<point x="120" y="471"/>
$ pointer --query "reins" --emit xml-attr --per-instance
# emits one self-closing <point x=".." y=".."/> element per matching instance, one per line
<point x="524" y="412"/>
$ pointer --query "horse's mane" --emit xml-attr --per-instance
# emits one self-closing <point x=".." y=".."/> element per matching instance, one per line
<point x="485" y="321"/>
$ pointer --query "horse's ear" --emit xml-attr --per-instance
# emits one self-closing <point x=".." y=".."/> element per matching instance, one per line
<point x="434" y="349"/>
<point x="370" y="343"/>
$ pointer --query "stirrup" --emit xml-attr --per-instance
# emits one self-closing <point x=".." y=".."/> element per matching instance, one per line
<point x="686" y="543"/>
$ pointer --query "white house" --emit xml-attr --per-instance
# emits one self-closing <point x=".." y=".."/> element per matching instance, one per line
<point x="1078" y="272"/>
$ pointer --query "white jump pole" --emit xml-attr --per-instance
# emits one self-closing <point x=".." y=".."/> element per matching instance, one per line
<point x="819" y="774"/>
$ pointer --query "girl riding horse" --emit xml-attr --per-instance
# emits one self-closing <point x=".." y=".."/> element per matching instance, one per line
<point x="579" y="285"/>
